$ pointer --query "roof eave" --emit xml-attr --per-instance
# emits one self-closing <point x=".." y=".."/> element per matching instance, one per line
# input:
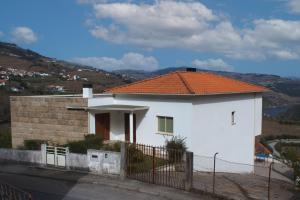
<point x="191" y="94"/>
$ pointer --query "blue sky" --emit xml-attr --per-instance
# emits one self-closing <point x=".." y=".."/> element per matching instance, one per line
<point x="257" y="36"/>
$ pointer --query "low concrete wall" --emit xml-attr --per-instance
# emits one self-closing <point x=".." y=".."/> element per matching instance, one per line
<point x="104" y="162"/>
<point x="78" y="161"/>
<point x="97" y="161"/>
<point x="21" y="155"/>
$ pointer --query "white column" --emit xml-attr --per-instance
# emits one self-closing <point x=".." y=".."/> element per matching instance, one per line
<point x="131" y="126"/>
<point x="92" y="123"/>
<point x="44" y="154"/>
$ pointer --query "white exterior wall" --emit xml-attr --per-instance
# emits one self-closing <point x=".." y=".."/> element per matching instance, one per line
<point x="258" y="114"/>
<point x="146" y="121"/>
<point x="205" y="121"/>
<point x="214" y="132"/>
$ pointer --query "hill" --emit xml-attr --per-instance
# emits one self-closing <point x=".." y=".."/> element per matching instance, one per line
<point x="25" y="72"/>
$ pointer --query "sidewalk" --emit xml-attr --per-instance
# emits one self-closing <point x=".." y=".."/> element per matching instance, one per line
<point x="244" y="186"/>
<point x="111" y="181"/>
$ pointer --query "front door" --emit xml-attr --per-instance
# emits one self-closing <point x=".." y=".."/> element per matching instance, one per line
<point x="103" y="125"/>
<point x="127" y="128"/>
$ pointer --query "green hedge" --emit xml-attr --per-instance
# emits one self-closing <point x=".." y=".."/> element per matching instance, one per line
<point x="33" y="144"/>
<point x="5" y="140"/>
<point x="116" y="146"/>
<point x="89" y="142"/>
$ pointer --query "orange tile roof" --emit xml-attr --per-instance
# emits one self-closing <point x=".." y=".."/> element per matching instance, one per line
<point x="187" y="83"/>
<point x="260" y="148"/>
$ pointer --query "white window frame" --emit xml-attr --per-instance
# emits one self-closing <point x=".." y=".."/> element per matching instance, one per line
<point x="157" y="125"/>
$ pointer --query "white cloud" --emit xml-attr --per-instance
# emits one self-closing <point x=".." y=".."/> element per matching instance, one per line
<point x="128" y="61"/>
<point x="91" y="1"/>
<point x="294" y="6"/>
<point x="191" y="25"/>
<point x="212" y="64"/>
<point x="24" y="34"/>
<point x="1" y="34"/>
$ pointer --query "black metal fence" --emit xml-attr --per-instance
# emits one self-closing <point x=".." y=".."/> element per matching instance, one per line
<point x="157" y="165"/>
<point x="9" y="192"/>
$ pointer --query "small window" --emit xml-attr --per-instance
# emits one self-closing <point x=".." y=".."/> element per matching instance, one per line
<point x="233" y="118"/>
<point x="165" y="125"/>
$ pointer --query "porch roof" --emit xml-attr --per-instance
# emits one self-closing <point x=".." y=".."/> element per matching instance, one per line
<point x="119" y="107"/>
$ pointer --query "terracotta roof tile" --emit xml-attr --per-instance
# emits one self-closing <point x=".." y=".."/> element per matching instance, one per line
<point x="182" y="82"/>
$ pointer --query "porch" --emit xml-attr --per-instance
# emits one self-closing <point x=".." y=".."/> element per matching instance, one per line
<point x="116" y="122"/>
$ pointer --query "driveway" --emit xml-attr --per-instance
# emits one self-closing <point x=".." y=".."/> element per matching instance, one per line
<point x="244" y="186"/>
<point x="48" y="184"/>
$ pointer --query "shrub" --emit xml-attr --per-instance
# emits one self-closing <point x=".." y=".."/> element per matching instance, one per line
<point x="77" y="147"/>
<point x="116" y="146"/>
<point x="176" y="146"/>
<point x="5" y="140"/>
<point x="135" y="155"/>
<point x="89" y="142"/>
<point x="33" y="144"/>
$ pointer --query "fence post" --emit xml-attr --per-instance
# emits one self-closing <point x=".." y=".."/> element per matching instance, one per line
<point x="123" y="161"/>
<point x="214" y="175"/>
<point x="153" y="164"/>
<point x="269" y="181"/>
<point x="67" y="158"/>
<point x="44" y="154"/>
<point x="189" y="171"/>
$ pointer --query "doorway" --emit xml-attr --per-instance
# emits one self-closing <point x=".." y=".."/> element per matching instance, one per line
<point x="103" y="125"/>
<point x="127" y="128"/>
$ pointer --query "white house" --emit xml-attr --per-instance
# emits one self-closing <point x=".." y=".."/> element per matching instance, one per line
<point x="213" y="113"/>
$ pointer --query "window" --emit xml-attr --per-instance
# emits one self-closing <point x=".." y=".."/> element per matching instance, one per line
<point x="165" y="125"/>
<point x="233" y="118"/>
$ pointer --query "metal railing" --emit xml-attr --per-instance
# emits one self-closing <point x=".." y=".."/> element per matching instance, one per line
<point x="157" y="165"/>
<point x="9" y="192"/>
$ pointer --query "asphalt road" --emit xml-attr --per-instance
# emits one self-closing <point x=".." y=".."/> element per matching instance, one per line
<point x="49" y="189"/>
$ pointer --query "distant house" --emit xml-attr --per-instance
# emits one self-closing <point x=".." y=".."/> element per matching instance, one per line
<point x="213" y="113"/>
<point x="3" y="82"/>
<point x="15" y="89"/>
<point x="56" y="88"/>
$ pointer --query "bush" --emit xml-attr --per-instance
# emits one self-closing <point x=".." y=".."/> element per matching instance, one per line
<point x="135" y="155"/>
<point x="33" y="144"/>
<point x="5" y="140"/>
<point x="176" y="146"/>
<point x="89" y="142"/>
<point x="116" y="146"/>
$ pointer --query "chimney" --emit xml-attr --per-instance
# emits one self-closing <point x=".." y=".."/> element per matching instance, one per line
<point x="87" y="90"/>
<point x="191" y="69"/>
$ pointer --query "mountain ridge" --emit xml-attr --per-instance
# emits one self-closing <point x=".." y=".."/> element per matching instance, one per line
<point x="38" y="74"/>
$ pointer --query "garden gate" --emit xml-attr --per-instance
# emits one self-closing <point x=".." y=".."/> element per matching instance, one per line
<point x="159" y="165"/>
<point x="56" y="156"/>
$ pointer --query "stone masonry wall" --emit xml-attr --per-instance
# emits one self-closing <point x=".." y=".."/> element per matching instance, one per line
<point x="47" y="118"/>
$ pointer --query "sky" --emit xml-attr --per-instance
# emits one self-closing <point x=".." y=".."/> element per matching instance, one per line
<point x="249" y="36"/>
